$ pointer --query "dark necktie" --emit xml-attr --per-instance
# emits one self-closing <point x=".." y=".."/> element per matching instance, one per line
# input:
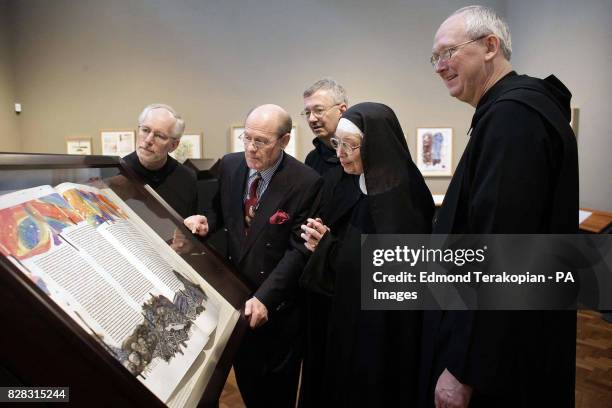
<point x="250" y="205"/>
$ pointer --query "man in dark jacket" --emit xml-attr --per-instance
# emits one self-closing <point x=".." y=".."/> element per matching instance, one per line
<point x="518" y="174"/>
<point x="324" y="103"/>
<point x="159" y="132"/>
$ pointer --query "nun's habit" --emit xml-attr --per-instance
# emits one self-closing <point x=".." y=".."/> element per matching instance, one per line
<point x="371" y="357"/>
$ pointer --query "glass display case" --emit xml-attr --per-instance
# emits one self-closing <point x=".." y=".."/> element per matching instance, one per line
<point x="103" y="290"/>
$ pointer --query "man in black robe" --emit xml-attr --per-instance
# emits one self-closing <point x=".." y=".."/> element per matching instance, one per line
<point x="159" y="131"/>
<point x="518" y="174"/>
<point x="324" y="103"/>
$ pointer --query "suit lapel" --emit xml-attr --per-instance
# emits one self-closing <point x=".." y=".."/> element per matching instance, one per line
<point x="237" y="186"/>
<point x="268" y="205"/>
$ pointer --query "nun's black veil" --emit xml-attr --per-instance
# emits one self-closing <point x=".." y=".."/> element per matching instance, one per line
<point x="400" y="202"/>
<point x="370" y="358"/>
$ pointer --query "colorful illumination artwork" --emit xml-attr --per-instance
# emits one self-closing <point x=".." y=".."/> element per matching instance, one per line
<point x="93" y="207"/>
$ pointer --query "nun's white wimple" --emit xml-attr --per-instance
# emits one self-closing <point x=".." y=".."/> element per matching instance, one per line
<point x="349" y="127"/>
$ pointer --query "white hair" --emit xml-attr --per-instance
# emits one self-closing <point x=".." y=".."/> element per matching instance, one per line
<point x="481" y="21"/>
<point x="179" y="124"/>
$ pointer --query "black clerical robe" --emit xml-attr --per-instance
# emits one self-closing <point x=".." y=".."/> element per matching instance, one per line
<point x="317" y="306"/>
<point x="322" y="158"/>
<point x="174" y="182"/>
<point x="518" y="174"/>
<point x="371" y="357"/>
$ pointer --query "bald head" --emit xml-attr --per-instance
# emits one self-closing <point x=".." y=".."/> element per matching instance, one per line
<point x="269" y="126"/>
<point x="272" y="117"/>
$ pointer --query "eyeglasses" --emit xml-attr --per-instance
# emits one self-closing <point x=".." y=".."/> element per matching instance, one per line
<point x="160" y="137"/>
<point x="336" y="143"/>
<point x="258" y="143"/>
<point x="318" y="112"/>
<point x="447" y="53"/>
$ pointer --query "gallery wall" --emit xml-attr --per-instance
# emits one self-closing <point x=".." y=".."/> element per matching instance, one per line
<point x="85" y="66"/>
<point x="574" y="41"/>
<point x="9" y="135"/>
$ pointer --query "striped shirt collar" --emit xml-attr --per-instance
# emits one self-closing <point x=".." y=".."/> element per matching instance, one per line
<point x="266" y="177"/>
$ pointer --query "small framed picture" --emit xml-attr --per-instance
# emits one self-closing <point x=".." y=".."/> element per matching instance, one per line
<point x="117" y="142"/>
<point x="190" y="147"/>
<point x="434" y="153"/>
<point x="237" y="146"/>
<point x="78" y="145"/>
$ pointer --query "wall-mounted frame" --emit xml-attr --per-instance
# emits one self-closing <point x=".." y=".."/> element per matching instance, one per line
<point x="434" y="155"/>
<point x="237" y="146"/>
<point x="117" y="142"/>
<point x="190" y="147"/>
<point x="575" y="120"/>
<point x="78" y="145"/>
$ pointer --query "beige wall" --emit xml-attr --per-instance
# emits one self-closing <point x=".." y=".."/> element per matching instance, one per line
<point x="574" y="41"/>
<point x="83" y="66"/>
<point x="9" y="134"/>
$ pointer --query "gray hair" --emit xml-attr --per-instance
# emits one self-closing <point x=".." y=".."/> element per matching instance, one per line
<point x="179" y="125"/>
<point x="337" y="91"/>
<point x="481" y="21"/>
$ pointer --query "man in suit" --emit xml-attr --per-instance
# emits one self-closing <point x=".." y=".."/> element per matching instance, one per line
<point x="264" y="197"/>
<point x="518" y="175"/>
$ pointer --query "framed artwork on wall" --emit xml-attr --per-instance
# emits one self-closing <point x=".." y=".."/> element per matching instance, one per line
<point x="190" y="147"/>
<point x="435" y="151"/>
<point x="117" y="142"/>
<point x="237" y="146"/>
<point x="78" y="145"/>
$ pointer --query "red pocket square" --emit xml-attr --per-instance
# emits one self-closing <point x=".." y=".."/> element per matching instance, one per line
<point x="279" y="217"/>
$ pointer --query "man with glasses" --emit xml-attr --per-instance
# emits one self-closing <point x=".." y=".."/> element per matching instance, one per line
<point x="518" y="174"/>
<point x="159" y="131"/>
<point x="324" y="103"/>
<point x="264" y="197"/>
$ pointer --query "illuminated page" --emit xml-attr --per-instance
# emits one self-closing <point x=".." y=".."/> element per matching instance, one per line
<point x="60" y="248"/>
<point x="36" y="223"/>
<point x="134" y="240"/>
<point x="192" y="385"/>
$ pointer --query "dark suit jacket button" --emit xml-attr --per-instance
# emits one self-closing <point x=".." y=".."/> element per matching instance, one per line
<point x="262" y="272"/>
<point x="229" y="257"/>
<point x="268" y="244"/>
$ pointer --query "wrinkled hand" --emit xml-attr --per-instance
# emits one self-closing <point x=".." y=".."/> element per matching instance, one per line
<point x="197" y="224"/>
<point x="314" y="230"/>
<point x="256" y="312"/>
<point x="450" y="393"/>
<point x="180" y="244"/>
